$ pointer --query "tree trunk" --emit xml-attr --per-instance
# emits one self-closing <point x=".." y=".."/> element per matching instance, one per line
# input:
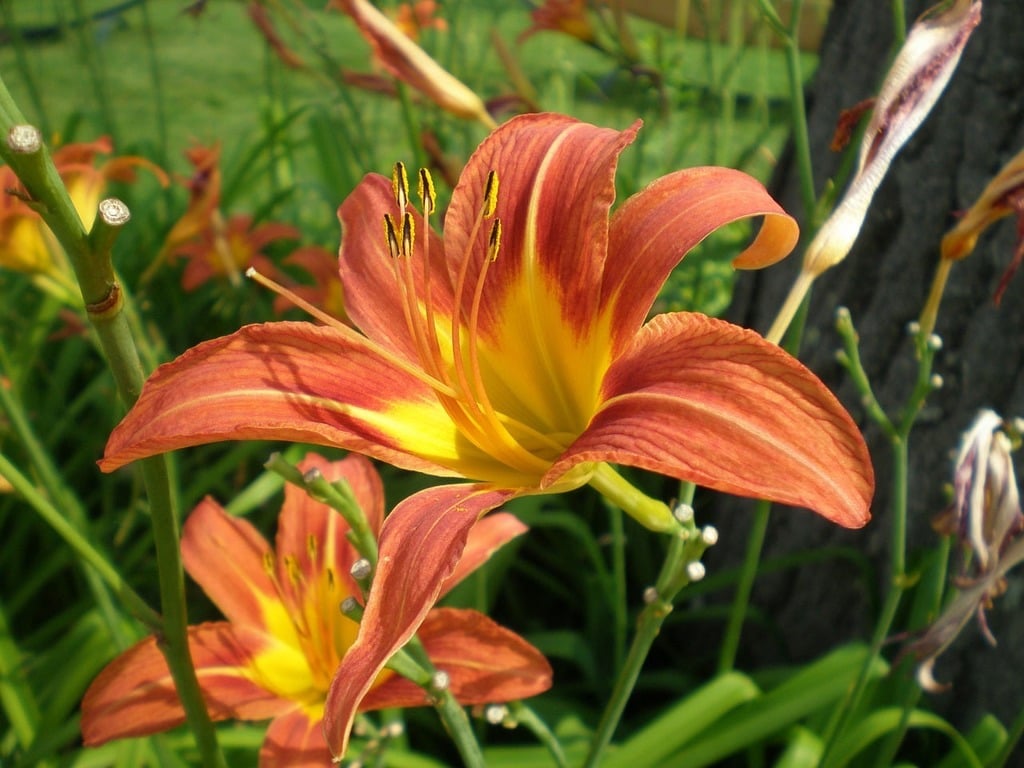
<point x="976" y="127"/>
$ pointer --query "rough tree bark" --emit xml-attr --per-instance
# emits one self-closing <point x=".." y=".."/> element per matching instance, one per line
<point x="976" y="127"/>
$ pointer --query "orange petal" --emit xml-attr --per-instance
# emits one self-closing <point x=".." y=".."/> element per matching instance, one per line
<point x="486" y="537"/>
<point x="706" y="401"/>
<point x="373" y="298"/>
<point x="485" y="663"/>
<point x="226" y="556"/>
<point x="284" y="381"/>
<point x="655" y="228"/>
<point x="135" y="696"/>
<point x="420" y="544"/>
<point x="295" y="740"/>
<point x="556" y="184"/>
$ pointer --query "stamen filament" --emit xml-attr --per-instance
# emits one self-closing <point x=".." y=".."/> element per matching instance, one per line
<point x="351" y="335"/>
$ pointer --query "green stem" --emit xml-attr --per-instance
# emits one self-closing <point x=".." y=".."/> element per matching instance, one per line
<point x="897" y="585"/>
<point x="685" y="546"/>
<point x="899" y="24"/>
<point x="104" y="303"/>
<point x="619" y="599"/>
<point x="526" y="717"/>
<point x="650" y="513"/>
<point x="744" y="586"/>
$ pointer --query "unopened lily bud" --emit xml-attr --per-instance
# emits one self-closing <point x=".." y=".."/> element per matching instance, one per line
<point x="914" y="83"/>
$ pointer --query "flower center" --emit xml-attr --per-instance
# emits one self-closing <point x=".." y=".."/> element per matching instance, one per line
<point x="450" y="355"/>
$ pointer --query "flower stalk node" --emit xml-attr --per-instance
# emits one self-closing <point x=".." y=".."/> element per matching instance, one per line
<point x="24" y="139"/>
<point x="108" y="306"/>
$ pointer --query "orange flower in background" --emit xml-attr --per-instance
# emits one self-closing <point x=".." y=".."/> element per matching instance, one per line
<point x="216" y="248"/>
<point x="405" y="60"/>
<point x="26" y="244"/>
<point x="227" y="249"/>
<point x="275" y="655"/>
<point x="567" y="16"/>
<point x="413" y="18"/>
<point x="514" y="351"/>
<point x="204" y="187"/>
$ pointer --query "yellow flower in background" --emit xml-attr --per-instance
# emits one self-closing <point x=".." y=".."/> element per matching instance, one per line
<point x="26" y="243"/>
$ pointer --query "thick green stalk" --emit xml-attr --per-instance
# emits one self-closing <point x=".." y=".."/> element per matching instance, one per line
<point x="685" y="547"/>
<point x="104" y="302"/>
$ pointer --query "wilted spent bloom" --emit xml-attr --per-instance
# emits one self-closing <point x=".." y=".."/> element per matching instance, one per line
<point x="1004" y="196"/>
<point x="911" y="88"/>
<point x="405" y="60"/>
<point x="985" y="516"/>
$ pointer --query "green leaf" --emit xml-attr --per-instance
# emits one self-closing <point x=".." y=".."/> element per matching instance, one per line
<point x="883" y="721"/>
<point x="684" y="721"/>
<point x="806" y="691"/>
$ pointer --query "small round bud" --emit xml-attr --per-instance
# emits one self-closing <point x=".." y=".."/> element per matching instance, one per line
<point x="695" y="571"/>
<point x="842" y="315"/>
<point x="650" y="595"/>
<point x="440" y="681"/>
<point x="114" y="212"/>
<point x="935" y="381"/>
<point x="392" y="730"/>
<point x="709" y="535"/>
<point x="350" y="606"/>
<point x="361" y="569"/>
<point x="935" y="342"/>
<point x="683" y="513"/>
<point x="495" y="714"/>
<point x="312" y="475"/>
<point x="913" y="328"/>
<point x="24" y="139"/>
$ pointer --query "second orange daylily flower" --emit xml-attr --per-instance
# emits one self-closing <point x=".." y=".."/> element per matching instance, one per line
<point x="27" y="245"/>
<point x="514" y="352"/>
<point x="276" y="654"/>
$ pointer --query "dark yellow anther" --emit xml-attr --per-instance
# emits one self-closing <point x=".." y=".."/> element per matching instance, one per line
<point x="293" y="570"/>
<point x="491" y="194"/>
<point x="268" y="563"/>
<point x="311" y="547"/>
<point x="400" y="185"/>
<point x="408" y="234"/>
<point x="494" y="242"/>
<point x="391" y="236"/>
<point x="330" y="578"/>
<point x="428" y="197"/>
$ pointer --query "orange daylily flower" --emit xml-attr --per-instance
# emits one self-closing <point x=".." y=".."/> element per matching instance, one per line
<point x="227" y="249"/>
<point x="566" y="16"/>
<point x="514" y="352"/>
<point x="26" y="244"/>
<point x="215" y="247"/>
<point x="412" y="18"/>
<point x="405" y="60"/>
<point x="275" y="655"/>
